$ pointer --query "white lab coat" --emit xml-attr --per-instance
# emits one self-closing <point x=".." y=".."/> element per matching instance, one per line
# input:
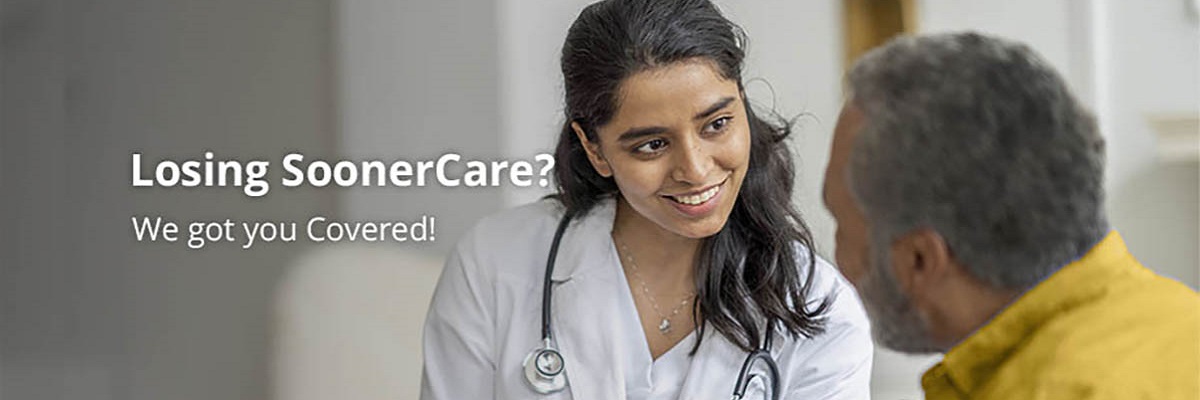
<point x="485" y="318"/>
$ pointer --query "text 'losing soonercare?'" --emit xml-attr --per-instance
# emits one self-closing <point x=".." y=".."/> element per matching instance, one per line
<point x="448" y="170"/>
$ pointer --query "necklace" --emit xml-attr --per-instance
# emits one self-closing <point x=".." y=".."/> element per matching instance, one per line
<point x="664" y="327"/>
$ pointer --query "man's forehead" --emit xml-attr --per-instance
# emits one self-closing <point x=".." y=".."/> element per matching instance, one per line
<point x="849" y="122"/>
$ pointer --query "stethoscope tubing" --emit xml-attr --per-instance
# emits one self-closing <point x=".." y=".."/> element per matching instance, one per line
<point x="745" y="376"/>
<point x="546" y="282"/>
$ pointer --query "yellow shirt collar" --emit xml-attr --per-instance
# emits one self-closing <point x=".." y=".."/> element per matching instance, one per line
<point x="967" y="364"/>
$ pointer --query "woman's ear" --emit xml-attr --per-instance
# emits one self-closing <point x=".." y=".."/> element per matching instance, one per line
<point x="593" y="152"/>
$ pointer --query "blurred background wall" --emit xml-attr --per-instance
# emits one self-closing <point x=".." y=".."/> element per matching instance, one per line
<point x="85" y="312"/>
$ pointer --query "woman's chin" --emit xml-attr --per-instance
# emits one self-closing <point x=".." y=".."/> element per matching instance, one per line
<point x="698" y="221"/>
<point x="699" y="228"/>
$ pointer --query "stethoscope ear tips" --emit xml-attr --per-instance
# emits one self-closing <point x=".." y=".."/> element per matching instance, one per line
<point x="544" y="370"/>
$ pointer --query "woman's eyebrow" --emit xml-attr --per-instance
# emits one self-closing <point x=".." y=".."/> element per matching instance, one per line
<point x="634" y="133"/>
<point x="714" y="108"/>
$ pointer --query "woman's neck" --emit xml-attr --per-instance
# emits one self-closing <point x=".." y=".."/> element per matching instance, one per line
<point x="663" y="255"/>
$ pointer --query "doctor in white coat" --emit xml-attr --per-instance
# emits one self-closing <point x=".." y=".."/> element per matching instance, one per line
<point x="684" y="253"/>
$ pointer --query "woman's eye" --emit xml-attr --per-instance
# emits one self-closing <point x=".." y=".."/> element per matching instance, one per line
<point x="651" y="147"/>
<point x="719" y="124"/>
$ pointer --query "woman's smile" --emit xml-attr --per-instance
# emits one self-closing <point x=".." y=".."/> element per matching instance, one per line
<point x="697" y="203"/>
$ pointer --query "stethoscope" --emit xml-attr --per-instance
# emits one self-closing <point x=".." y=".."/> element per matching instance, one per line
<point x="544" y="366"/>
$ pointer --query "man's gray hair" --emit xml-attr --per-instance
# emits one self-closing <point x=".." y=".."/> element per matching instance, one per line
<point x="980" y="140"/>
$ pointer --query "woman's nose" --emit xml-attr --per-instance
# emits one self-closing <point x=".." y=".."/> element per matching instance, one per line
<point x="692" y="163"/>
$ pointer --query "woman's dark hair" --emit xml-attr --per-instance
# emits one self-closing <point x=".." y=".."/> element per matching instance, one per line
<point x="748" y="270"/>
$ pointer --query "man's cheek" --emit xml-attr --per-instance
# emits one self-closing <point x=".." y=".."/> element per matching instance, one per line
<point x="849" y="264"/>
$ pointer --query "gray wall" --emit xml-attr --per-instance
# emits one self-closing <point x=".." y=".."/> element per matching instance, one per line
<point x="85" y="312"/>
<point x="1150" y="66"/>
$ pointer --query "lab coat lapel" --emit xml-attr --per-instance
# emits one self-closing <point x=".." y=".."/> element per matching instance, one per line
<point x="585" y="311"/>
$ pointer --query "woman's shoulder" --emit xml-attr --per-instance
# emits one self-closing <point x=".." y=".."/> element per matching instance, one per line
<point x="826" y="279"/>
<point x="839" y="359"/>
<point x="512" y="242"/>
<point x="526" y="218"/>
<point x="845" y="318"/>
<point x="512" y="227"/>
<point x="536" y="223"/>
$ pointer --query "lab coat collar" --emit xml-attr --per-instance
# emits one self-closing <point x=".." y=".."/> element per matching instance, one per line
<point x="585" y="309"/>
<point x="587" y="238"/>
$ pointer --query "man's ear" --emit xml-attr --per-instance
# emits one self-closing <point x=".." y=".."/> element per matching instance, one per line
<point x="921" y="262"/>
<point x="593" y="152"/>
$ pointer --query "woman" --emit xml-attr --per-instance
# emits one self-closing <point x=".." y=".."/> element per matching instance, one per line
<point x="682" y="252"/>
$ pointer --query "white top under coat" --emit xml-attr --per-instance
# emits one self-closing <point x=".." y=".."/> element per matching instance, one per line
<point x="485" y="318"/>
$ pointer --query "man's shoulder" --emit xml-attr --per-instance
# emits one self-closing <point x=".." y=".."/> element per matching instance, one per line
<point x="1144" y="336"/>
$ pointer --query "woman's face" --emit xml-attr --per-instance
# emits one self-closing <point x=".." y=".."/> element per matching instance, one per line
<point x="678" y="147"/>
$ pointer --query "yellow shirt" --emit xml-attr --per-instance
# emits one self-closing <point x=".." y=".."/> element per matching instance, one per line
<point x="1103" y="327"/>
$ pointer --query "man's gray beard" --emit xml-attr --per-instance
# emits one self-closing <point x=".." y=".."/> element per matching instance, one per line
<point x="895" y="323"/>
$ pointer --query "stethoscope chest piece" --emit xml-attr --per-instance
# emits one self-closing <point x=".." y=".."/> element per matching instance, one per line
<point x="544" y="370"/>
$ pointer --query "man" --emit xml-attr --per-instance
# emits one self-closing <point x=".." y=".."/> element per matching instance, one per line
<point x="966" y="182"/>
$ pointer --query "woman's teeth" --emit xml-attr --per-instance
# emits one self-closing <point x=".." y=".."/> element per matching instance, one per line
<point x="697" y="198"/>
